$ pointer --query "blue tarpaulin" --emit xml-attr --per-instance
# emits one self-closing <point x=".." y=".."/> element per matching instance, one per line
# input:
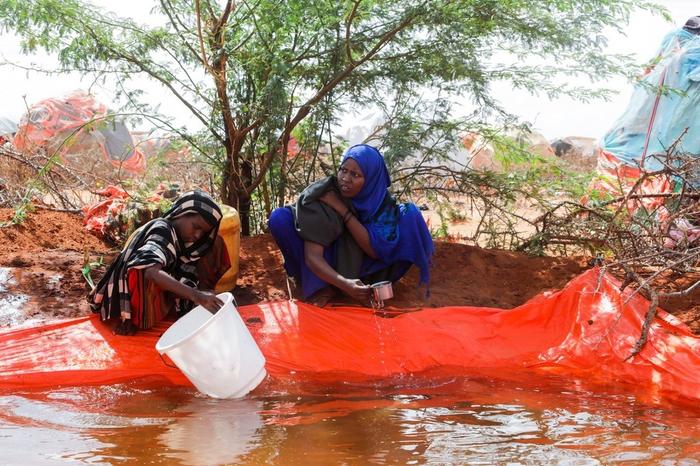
<point x="663" y="105"/>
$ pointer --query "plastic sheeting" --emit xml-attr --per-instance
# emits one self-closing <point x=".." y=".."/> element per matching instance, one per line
<point x="97" y="215"/>
<point x="78" y="128"/>
<point x="662" y="106"/>
<point x="7" y="126"/>
<point x="617" y="179"/>
<point x="102" y="217"/>
<point x="588" y="329"/>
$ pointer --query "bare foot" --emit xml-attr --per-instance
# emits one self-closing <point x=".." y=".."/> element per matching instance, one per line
<point x="321" y="297"/>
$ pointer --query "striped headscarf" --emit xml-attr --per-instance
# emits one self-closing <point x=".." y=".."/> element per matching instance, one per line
<point x="157" y="242"/>
<point x="197" y="202"/>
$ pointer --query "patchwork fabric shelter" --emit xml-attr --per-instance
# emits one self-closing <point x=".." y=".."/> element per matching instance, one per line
<point x="662" y="114"/>
<point x="81" y="131"/>
<point x="663" y="105"/>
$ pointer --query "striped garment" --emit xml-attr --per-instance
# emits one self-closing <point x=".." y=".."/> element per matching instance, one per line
<point x="156" y="242"/>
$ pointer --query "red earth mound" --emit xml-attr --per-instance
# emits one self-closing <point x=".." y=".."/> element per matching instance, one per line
<point x="44" y="230"/>
<point x="461" y="275"/>
<point x="46" y="252"/>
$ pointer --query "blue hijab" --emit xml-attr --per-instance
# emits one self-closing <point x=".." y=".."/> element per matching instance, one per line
<point x="377" y="180"/>
<point x="396" y="232"/>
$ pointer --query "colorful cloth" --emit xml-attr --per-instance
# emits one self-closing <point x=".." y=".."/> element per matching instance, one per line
<point x="123" y="293"/>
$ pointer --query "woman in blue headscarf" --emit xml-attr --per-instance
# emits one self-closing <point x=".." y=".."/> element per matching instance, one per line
<point x="347" y="230"/>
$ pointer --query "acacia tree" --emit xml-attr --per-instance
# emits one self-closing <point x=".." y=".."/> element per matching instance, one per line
<point x="252" y="70"/>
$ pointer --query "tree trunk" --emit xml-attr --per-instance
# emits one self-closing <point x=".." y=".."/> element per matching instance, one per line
<point x="244" y="196"/>
<point x="236" y="194"/>
<point x="239" y="199"/>
<point x="244" y="212"/>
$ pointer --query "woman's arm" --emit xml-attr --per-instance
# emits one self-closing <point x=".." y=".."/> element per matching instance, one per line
<point x="352" y="223"/>
<point x="313" y="256"/>
<point x="206" y="299"/>
<point x="360" y="234"/>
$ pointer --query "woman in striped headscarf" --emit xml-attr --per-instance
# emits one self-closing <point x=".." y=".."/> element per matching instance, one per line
<point x="162" y="266"/>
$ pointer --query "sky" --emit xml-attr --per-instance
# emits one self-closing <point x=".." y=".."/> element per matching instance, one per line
<point x="554" y="119"/>
<point x="567" y="117"/>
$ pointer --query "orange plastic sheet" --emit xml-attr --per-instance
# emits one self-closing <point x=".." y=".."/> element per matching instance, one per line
<point x="97" y="215"/>
<point x="588" y="329"/>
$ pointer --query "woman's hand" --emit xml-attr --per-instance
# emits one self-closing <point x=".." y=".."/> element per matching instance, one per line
<point x="332" y="200"/>
<point x="357" y="290"/>
<point x="353" y="224"/>
<point x="313" y="256"/>
<point x="207" y="300"/>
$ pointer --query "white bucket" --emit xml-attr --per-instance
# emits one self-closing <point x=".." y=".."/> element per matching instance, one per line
<point x="216" y="352"/>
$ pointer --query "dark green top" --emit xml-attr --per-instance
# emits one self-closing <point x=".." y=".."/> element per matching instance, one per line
<point x="319" y="223"/>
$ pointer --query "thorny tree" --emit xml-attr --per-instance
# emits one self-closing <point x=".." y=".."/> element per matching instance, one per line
<point x="648" y="234"/>
<point x="250" y="72"/>
<point x="644" y="230"/>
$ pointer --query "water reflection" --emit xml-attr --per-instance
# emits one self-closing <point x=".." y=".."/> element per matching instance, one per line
<point x="212" y="431"/>
<point x="470" y="420"/>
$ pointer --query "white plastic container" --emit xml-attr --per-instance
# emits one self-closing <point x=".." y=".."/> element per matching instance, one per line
<point x="216" y="352"/>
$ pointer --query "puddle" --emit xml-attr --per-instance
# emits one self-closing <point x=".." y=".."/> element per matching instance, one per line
<point x="11" y="305"/>
<point x="19" y="309"/>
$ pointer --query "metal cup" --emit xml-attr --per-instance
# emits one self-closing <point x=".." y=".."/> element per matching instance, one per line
<point x="381" y="291"/>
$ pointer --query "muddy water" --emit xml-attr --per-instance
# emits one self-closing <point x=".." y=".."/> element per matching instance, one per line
<point x="33" y="295"/>
<point x="422" y="420"/>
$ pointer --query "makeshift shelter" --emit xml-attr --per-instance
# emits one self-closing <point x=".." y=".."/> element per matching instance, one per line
<point x="661" y="115"/>
<point x="7" y="126"/>
<point x="481" y="152"/>
<point x="7" y="129"/>
<point x="578" y="146"/>
<point x="82" y="132"/>
<point x="152" y="146"/>
<point x="663" y="105"/>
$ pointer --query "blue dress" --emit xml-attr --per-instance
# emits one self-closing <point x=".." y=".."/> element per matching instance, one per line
<point x="397" y="232"/>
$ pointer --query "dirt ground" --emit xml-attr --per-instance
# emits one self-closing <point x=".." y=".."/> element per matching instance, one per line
<point x="41" y="261"/>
